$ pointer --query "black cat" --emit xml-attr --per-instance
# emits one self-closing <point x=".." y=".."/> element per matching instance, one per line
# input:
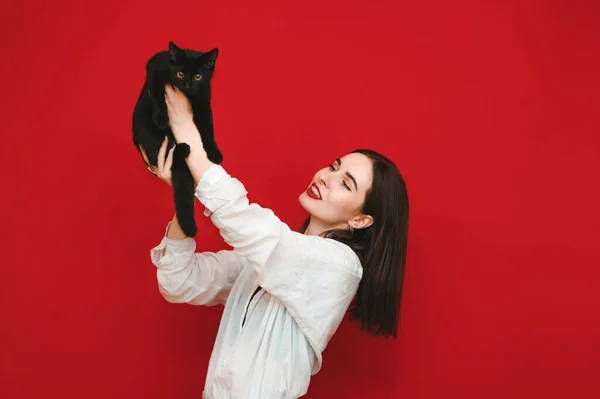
<point x="191" y="72"/>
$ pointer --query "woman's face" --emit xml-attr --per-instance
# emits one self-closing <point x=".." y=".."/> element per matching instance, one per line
<point x="336" y="193"/>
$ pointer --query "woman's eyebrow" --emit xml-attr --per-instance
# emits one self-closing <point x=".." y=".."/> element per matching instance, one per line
<point x="353" y="180"/>
<point x="339" y="161"/>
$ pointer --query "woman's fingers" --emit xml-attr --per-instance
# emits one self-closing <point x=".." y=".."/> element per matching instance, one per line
<point x="179" y="108"/>
<point x="150" y="168"/>
<point x="169" y="161"/>
<point x="168" y="94"/>
<point x="163" y="164"/>
<point x="173" y="98"/>
<point x="160" y="162"/>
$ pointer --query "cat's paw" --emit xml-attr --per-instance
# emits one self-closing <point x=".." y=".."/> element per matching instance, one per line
<point x="161" y="120"/>
<point x="213" y="154"/>
<point x="216" y="158"/>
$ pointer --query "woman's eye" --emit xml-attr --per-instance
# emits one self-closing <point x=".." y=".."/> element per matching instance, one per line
<point x="332" y="168"/>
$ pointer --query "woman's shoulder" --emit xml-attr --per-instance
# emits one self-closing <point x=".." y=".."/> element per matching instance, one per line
<point x="330" y="253"/>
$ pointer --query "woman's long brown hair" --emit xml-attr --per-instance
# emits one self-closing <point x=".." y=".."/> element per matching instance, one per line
<point x="381" y="248"/>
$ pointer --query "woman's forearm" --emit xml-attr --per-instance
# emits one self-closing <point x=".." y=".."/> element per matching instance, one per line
<point x="175" y="232"/>
<point x="198" y="161"/>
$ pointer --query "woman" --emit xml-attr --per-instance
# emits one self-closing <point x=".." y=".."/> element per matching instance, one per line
<point x="285" y="292"/>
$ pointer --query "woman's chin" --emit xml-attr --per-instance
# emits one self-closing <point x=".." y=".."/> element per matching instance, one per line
<point x="307" y="202"/>
<point x="304" y="201"/>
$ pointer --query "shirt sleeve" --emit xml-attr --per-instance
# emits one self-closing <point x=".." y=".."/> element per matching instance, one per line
<point x="315" y="278"/>
<point x="195" y="278"/>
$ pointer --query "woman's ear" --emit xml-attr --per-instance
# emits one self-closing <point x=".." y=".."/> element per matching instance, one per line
<point x="360" y="221"/>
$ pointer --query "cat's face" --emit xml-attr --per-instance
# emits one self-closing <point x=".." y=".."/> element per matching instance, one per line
<point x="191" y="71"/>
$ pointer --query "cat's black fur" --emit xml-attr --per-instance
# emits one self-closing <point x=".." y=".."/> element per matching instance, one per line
<point x="191" y="72"/>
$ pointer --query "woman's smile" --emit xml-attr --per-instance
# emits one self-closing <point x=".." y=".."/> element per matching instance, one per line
<point x="314" y="192"/>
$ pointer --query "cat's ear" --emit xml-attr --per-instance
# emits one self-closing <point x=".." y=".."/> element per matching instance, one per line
<point x="174" y="51"/>
<point x="210" y="58"/>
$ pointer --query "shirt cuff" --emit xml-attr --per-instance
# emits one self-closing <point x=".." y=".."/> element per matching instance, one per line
<point x="207" y="189"/>
<point x="173" y="246"/>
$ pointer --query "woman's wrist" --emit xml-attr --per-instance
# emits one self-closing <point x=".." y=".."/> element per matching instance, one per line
<point x="174" y="232"/>
<point x="197" y="161"/>
<point x="186" y="132"/>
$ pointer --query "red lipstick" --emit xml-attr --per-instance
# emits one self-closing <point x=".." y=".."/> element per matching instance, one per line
<point x="314" y="192"/>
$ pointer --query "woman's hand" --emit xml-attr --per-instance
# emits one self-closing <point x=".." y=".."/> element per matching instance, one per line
<point x="181" y="118"/>
<point x="163" y="169"/>
<point x="184" y="129"/>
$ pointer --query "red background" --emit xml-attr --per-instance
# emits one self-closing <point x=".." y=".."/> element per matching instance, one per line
<point x="488" y="108"/>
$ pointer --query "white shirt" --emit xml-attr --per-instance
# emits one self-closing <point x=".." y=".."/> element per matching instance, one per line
<point x="307" y="285"/>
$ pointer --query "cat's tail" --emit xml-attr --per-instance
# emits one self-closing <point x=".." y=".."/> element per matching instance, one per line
<point x="183" y="190"/>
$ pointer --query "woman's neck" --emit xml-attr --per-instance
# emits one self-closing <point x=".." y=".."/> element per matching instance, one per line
<point x="316" y="227"/>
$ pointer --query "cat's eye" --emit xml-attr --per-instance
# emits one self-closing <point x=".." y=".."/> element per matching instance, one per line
<point x="180" y="75"/>
<point x="197" y="76"/>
